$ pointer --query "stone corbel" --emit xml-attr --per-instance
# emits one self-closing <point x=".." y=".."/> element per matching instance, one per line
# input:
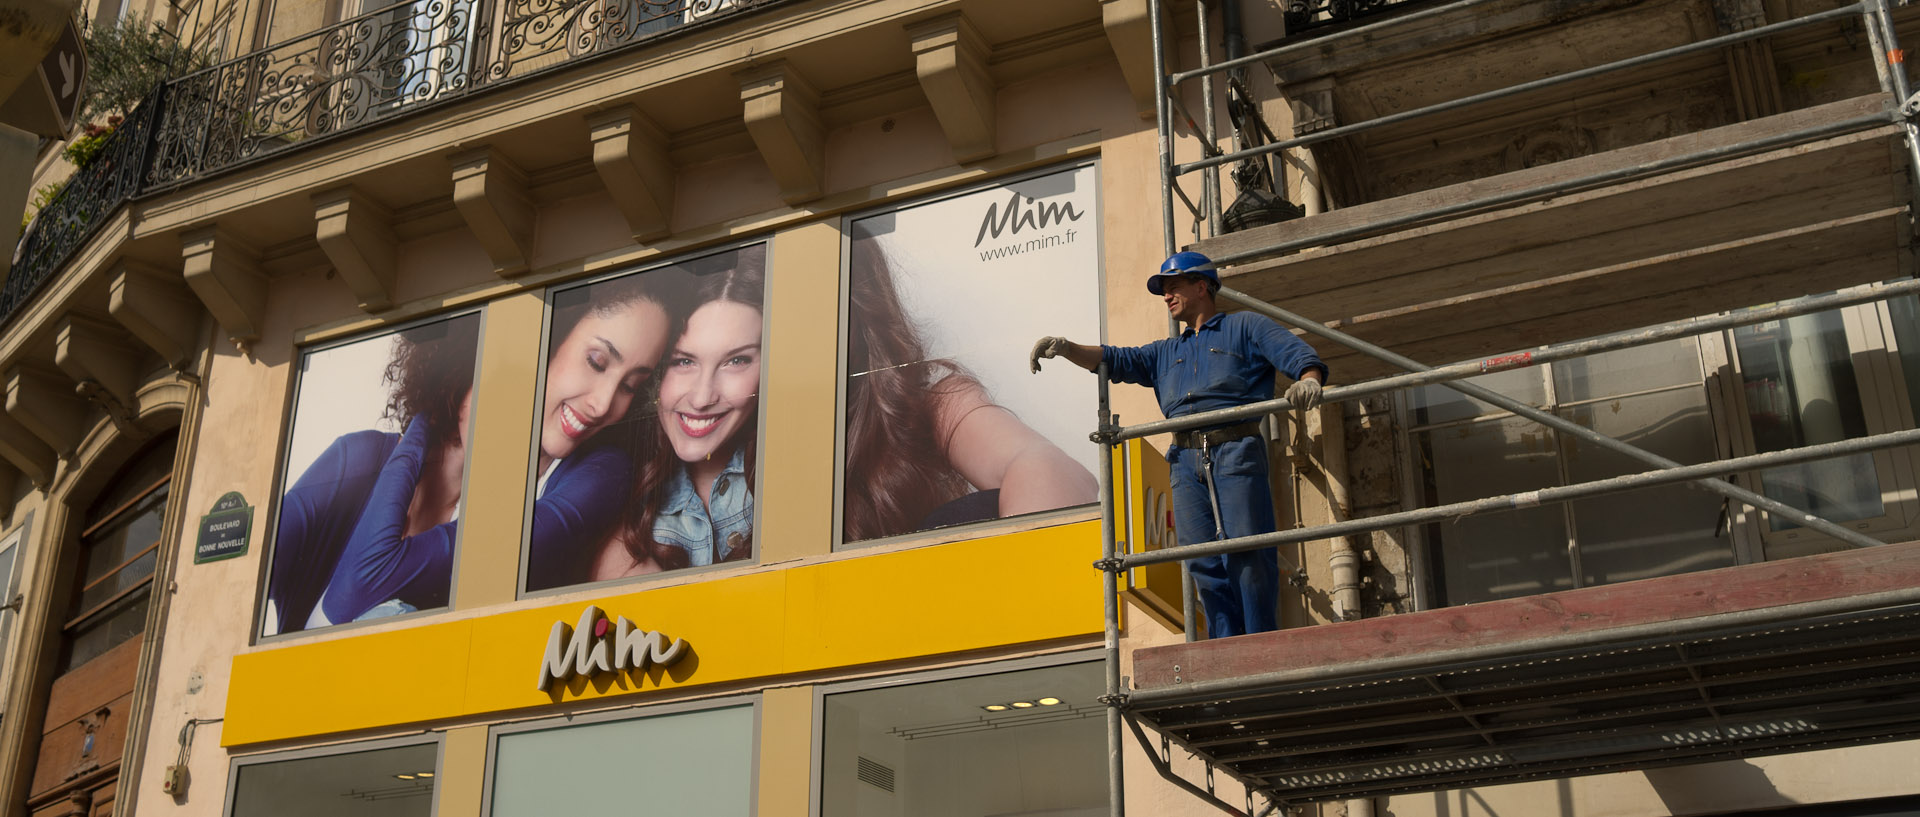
<point x="224" y="273"/>
<point x="1130" y="32"/>
<point x="950" y="57"/>
<point x="356" y="234"/>
<point x="26" y="452"/>
<point x="492" y="195"/>
<point x="157" y="308"/>
<point x="630" y="153"/>
<point x="783" y="116"/>
<point x="44" y="403"/>
<point x="91" y="351"/>
<point x="1750" y="65"/>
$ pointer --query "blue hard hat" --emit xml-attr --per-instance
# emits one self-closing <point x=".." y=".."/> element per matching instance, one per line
<point x="1183" y="264"/>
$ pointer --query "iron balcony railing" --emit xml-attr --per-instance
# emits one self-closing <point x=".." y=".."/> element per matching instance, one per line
<point x="349" y="76"/>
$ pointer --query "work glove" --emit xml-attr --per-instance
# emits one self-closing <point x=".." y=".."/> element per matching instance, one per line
<point x="1048" y="347"/>
<point x="1304" y="394"/>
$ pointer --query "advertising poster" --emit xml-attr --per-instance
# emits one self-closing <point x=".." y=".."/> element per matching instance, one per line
<point x="945" y="425"/>
<point x="375" y="463"/>
<point x="648" y="422"/>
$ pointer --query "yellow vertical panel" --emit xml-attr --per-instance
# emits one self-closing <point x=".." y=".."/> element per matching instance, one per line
<point x="786" y="752"/>
<point x="796" y="462"/>
<point x="463" y="772"/>
<point x="489" y="561"/>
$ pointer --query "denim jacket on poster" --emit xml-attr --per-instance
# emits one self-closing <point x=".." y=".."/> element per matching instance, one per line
<point x="684" y="522"/>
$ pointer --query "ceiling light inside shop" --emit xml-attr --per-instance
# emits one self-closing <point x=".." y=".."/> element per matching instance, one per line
<point x="1049" y="701"/>
<point x="425" y="774"/>
<point x="1022" y="704"/>
<point x="995" y="707"/>
<point x="404" y="776"/>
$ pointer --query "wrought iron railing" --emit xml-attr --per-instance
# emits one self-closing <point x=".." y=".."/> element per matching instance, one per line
<point x="83" y="205"/>
<point x="348" y="76"/>
<point x="1303" y="16"/>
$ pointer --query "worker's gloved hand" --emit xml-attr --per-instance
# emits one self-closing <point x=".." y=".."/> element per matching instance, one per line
<point x="1048" y="347"/>
<point x="1304" y="394"/>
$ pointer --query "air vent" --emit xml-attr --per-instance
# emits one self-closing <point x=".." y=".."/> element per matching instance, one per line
<point x="874" y="774"/>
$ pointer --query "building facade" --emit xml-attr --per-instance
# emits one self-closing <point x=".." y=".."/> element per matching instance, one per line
<point x="498" y="407"/>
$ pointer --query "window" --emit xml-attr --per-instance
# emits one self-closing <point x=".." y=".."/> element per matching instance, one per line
<point x="118" y="549"/>
<point x="1026" y="740"/>
<point x="9" y="586"/>
<point x="384" y="779"/>
<point x="1651" y="397"/>
<point x="679" y="761"/>
<point x="1766" y="387"/>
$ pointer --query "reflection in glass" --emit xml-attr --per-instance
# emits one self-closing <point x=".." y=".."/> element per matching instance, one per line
<point x="1493" y="556"/>
<point x="380" y="783"/>
<point x="1654" y="531"/>
<point x="1801" y="389"/>
<point x="1026" y="742"/>
<point x="1439" y="404"/>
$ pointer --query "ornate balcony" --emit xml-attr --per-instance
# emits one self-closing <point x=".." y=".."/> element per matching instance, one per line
<point x="345" y="78"/>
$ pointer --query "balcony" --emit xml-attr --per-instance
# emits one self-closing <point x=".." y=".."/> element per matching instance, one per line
<point x="344" y="79"/>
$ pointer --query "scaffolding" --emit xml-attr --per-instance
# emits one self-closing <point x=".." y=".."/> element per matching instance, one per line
<point x="1880" y="619"/>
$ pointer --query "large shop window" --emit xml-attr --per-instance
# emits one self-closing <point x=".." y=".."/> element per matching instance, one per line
<point x="1776" y="385"/>
<point x="1021" y="743"/>
<point x="369" y="513"/>
<point x="944" y="423"/>
<point x="378" y="780"/>
<point x="646" y="440"/>
<point x="698" y="761"/>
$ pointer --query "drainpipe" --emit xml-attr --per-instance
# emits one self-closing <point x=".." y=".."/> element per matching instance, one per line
<point x="1343" y="562"/>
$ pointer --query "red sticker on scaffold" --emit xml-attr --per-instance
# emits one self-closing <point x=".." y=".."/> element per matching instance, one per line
<point x="1506" y="361"/>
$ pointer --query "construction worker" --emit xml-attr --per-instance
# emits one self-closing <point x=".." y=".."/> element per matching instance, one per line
<point x="1219" y="472"/>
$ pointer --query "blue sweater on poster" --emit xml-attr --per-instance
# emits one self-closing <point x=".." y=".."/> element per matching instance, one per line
<point x="342" y="527"/>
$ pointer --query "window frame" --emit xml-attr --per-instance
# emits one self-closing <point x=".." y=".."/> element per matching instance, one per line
<point x="751" y="700"/>
<point x="239" y="762"/>
<point x="9" y="588"/>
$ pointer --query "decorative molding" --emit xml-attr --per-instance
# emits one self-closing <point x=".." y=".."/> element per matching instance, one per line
<point x="492" y="195"/>
<point x="950" y="57"/>
<point x="782" y="114"/>
<point x="630" y="153"/>
<point x="157" y="308"/>
<point x="1129" y="27"/>
<point x="356" y="234"/>
<point x="98" y="352"/>
<point x="43" y="402"/>
<point x="224" y="272"/>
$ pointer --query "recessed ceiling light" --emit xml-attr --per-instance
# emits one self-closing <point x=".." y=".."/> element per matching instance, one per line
<point x="995" y="707"/>
<point x="1049" y="701"/>
<point x="426" y="774"/>
<point x="1022" y="704"/>
<point x="404" y="776"/>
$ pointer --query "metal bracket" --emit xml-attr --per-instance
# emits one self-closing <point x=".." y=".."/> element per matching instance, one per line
<point x="1116" y="699"/>
<point x="1112" y="565"/>
<point x="1911" y="108"/>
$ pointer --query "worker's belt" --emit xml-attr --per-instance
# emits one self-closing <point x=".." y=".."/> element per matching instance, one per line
<point x="1208" y="439"/>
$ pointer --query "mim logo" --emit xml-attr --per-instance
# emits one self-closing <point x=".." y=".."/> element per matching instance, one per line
<point x="1023" y="213"/>
<point x="596" y="646"/>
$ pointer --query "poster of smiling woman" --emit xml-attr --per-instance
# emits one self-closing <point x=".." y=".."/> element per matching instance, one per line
<point x="944" y="423"/>
<point x="369" y="518"/>
<point x="648" y="422"/>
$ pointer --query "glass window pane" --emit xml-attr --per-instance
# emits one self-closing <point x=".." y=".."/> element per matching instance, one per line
<point x="1438" y="404"/>
<point x="112" y="546"/>
<point x="1801" y="389"/>
<point x="125" y="620"/>
<point x="380" y="783"/>
<point x="6" y="595"/>
<point x="1654" y="531"/>
<point x="684" y="763"/>
<point x="1496" y="555"/>
<point x="1626" y="371"/>
<point x="113" y="584"/>
<point x="1905" y="313"/>
<point x="934" y="748"/>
